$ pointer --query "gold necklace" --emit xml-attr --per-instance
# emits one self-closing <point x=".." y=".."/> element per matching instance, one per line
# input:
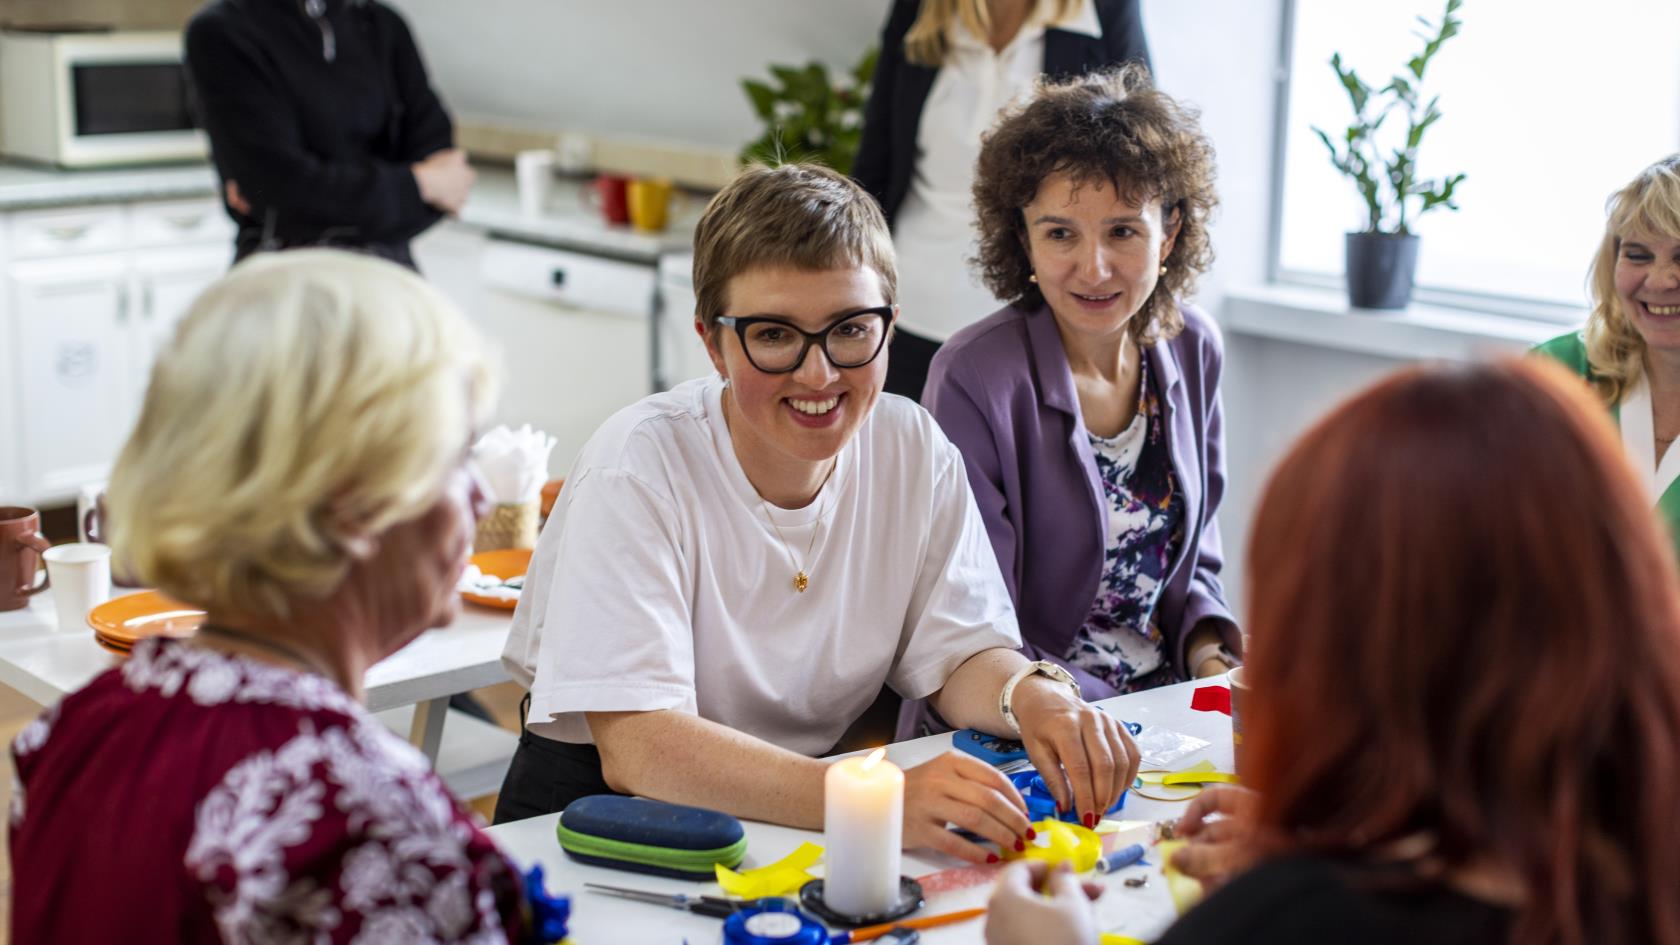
<point x="801" y="580"/>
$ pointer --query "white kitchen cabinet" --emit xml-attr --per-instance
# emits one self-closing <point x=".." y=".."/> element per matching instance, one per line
<point x="72" y="335"/>
<point x="166" y="282"/>
<point x="571" y="329"/>
<point x="88" y="295"/>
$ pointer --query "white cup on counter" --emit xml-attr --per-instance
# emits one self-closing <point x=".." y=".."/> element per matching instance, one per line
<point x="81" y="580"/>
<point x="534" y="173"/>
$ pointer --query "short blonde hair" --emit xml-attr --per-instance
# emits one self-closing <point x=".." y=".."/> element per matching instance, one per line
<point x="1649" y="204"/>
<point x="800" y="216"/>
<point x="309" y="400"/>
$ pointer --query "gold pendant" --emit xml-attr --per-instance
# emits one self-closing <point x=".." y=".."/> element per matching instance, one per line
<point x="800" y="582"/>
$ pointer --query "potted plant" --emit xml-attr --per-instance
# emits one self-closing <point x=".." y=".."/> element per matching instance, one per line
<point x="1382" y="260"/>
<point x="808" y="116"/>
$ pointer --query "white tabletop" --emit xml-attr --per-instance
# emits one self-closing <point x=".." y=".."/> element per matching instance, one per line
<point x="45" y="664"/>
<point x="1140" y="913"/>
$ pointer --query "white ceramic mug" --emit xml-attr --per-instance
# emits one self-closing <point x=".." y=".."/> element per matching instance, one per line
<point x="81" y="581"/>
<point x="534" y="173"/>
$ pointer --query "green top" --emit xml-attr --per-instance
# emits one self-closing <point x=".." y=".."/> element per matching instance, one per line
<point x="1571" y="351"/>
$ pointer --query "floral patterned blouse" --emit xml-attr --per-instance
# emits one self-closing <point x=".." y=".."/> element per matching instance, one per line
<point x="1120" y="642"/>
<point x="192" y="796"/>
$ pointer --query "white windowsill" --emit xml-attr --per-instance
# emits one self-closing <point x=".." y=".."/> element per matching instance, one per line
<point x="1322" y="318"/>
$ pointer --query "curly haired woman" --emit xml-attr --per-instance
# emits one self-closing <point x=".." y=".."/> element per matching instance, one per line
<point x="1088" y="409"/>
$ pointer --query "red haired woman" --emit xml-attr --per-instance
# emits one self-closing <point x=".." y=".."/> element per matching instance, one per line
<point x="1466" y="670"/>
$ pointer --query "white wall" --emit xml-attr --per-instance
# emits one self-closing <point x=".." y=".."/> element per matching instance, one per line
<point x="668" y="69"/>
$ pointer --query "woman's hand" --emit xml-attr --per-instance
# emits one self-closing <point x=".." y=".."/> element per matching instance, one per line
<point x="1018" y="915"/>
<point x="1088" y="747"/>
<point x="1219" y="826"/>
<point x="445" y="179"/>
<point x="958" y="789"/>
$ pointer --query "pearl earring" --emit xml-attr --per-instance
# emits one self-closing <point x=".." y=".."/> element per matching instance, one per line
<point x="1163" y="269"/>
<point x="1033" y="278"/>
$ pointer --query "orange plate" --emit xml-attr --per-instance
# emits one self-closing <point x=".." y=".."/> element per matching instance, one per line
<point x="504" y="564"/>
<point x="125" y="621"/>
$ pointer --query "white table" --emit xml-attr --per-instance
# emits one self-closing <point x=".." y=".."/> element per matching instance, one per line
<point x="44" y="664"/>
<point x="1140" y="913"/>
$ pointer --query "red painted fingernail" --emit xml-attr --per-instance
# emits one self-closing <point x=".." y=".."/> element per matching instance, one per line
<point x="1020" y="846"/>
<point x="1032" y="834"/>
<point x="1090" y="820"/>
<point x="991" y="858"/>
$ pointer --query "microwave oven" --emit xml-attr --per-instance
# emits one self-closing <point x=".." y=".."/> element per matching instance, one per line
<point x="93" y="99"/>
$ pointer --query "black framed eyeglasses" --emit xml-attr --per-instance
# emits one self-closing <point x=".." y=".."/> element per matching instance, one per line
<point x="777" y="346"/>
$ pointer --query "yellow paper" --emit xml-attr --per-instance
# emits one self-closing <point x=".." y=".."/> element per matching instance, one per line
<point x="780" y="878"/>
<point x="1200" y="777"/>
<point x="1160" y="777"/>
<point x="1060" y="842"/>
<point x="1185" y="890"/>
<point x="1109" y="938"/>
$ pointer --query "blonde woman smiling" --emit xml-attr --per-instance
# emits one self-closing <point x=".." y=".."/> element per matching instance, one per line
<point x="1630" y="348"/>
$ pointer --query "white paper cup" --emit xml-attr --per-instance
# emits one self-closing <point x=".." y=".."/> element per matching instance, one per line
<point x="534" y="173"/>
<point x="81" y="581"/>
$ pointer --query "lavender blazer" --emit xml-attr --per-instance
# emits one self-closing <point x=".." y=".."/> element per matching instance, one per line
<point x="1002" y="390"/>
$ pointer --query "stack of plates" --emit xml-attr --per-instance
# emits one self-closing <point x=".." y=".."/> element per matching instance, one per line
<point x="496" y="578"/>
<point x="121" y="622"/>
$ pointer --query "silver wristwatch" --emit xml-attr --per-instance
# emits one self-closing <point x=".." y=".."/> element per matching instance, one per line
<point x="1035" y="668"/>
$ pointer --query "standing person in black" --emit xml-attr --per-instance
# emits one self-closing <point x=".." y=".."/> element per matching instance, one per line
<point x="323" y="125"/>
<point x="945" y="68"/>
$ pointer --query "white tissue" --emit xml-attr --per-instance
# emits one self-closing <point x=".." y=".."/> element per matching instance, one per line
<point x="513" y="463"/>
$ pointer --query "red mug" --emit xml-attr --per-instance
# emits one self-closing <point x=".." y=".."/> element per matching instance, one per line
<point x="21" y="545"/>
<point x="610" y="194"/>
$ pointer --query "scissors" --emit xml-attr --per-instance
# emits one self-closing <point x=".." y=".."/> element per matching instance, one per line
<point x="715" y="906"/>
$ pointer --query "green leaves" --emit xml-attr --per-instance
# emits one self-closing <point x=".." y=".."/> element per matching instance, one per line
<point x="808" y="115"/>
<point x="1368" y="166"/>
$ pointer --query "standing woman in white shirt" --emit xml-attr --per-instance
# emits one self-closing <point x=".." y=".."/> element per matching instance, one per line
<point x="737" y="565"/>
<point x="946" y="69"/>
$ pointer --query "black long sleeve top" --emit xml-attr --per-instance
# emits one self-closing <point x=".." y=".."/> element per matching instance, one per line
<point x="321" y="148"/>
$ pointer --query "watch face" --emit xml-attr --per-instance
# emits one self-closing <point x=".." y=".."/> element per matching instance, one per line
<point x="900" y="936"/>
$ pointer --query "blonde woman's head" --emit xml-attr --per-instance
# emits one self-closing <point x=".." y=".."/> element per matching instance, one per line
<point x="308" y="402"/>
<point x="1642" y="215"/>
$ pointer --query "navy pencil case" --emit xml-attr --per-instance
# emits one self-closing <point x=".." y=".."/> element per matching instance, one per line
<point x="643" y="836"/>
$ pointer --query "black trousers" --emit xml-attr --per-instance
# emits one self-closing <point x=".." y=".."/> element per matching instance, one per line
<point x="546" y="775"/>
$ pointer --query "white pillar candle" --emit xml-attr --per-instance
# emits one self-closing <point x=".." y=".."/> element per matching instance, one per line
<point x="863" y="825"/>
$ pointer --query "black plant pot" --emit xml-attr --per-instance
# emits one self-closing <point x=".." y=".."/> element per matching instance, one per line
<point x="1380" y="267"/>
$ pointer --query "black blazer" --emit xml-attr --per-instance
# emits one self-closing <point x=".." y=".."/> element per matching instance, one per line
<point x="887" y="154"/>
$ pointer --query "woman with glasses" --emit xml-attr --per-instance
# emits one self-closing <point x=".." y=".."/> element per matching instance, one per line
<point x="1088" y="408"/>
<point x="736" y="566"/>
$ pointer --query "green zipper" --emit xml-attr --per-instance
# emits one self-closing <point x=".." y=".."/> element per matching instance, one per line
<point x="692" y="861"/>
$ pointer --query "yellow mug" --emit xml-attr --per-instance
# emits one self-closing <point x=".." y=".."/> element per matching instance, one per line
<point x="650" y="203"/>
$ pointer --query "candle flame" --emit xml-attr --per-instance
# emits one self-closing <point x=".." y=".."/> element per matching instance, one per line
<point x="874" y="758"/>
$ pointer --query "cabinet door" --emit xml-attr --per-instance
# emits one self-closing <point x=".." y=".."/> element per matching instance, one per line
<point x="167" y="282"/>
<point x="71" y="364"/>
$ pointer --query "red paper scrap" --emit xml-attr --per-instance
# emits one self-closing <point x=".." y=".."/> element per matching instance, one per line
<point x="962" y="877"/>
<point x="1211" y="699"/>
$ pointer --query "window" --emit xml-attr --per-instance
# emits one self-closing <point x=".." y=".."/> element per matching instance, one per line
<point x="1547" y="106"/>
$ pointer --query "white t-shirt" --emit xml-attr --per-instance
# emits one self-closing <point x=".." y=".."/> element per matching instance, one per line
<point x="659" y="581"/>
<point x="934" y="233"/>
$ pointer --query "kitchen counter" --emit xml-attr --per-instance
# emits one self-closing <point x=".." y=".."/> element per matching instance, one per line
<point x="568" y="223"/>
<point x="25" y="187"/>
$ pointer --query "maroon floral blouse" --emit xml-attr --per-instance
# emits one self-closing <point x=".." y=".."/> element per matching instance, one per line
<point x="189" y="796"/>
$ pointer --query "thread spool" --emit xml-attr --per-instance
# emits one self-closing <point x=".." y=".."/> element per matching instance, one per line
<point x="776" y="922"/>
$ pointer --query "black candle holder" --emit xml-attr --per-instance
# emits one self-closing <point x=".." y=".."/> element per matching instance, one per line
<point x="909" y="900"/>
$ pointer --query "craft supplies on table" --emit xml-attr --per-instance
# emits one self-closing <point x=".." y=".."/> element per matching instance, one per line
<point x="1058" y="842"/>
<point x="717" y="907"/>
<point x="1041" y="804"/>
<point x="781" y="878"/>
<point x="775" y="922"/>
